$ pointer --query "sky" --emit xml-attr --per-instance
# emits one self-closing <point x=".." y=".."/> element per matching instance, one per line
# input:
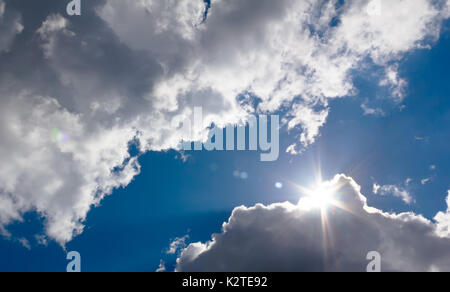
<point x="91" y="158"/>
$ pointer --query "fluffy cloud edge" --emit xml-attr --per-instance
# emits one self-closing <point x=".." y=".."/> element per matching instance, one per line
<point x="103" y="113"/>
<point x="284" y="237"/>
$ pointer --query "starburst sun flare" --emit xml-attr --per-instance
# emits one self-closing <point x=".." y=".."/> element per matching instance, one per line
<point x="321" y="196"/>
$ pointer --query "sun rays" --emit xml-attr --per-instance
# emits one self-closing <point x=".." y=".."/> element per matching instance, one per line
<point x="323" y="197"/>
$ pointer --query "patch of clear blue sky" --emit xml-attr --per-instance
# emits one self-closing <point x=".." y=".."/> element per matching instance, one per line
<point x="170" y="198"/>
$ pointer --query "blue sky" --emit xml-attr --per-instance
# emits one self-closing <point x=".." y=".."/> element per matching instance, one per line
<point x="132" y="229"/>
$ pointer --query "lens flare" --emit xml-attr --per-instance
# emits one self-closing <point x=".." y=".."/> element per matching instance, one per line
<point x="58" y="136"/>
<point x="279" y="185"/>
<point x="320" y="197"/>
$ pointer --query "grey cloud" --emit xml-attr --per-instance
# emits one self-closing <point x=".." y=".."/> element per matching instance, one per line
<point x="276" y="51"/>
<point x="10" y="26"/>
<point x="287" y="237"/>
<point x="125" y="68"/>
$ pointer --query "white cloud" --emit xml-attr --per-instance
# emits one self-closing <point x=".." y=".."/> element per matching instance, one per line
<point x="431" y="178"/>
<point x="60" y="180"/>
<point x="397" y="84"/>
<point x="443" y="220"/>
<point x="25" y="243"/>
<point x="426" y="181"/>
<point x="162" y="267"/>
<point x="269" y="50"/>
<point x="372" y="111"/>
<point x="446" y="11"/>
<point x="177" y="244"/>
<point x="287" y="237"/>
<point x="104" y="87"/>
<point x="41" y="240"/>
<point x="310" y="120"/>
<point x="400" y="27"/>
<point x="395" y="191"/>
<point x="53" y="23"/>
<point x="421" y="139"/>
<point x="408" y="181"/>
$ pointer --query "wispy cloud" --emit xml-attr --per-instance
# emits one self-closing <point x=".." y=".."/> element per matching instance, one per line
<point x="392" y="190"/>
<point x="177" y="244"/>
<point x="105" y="87"/>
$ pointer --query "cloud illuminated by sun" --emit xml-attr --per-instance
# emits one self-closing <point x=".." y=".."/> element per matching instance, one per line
<point x="321" y="196"/>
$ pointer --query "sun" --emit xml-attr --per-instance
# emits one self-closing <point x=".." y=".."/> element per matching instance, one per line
<point x="325" y="201"/>
<point x="319" y="197"/>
